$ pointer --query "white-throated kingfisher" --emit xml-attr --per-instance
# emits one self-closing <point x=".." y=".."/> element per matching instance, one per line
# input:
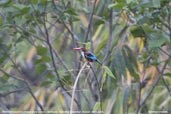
<point x="89" y="56"/>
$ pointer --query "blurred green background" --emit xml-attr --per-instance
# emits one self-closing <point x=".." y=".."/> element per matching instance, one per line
<point x="38" y="66"/>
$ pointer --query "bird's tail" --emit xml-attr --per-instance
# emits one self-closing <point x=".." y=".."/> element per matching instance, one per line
<point x="98" y="62"/>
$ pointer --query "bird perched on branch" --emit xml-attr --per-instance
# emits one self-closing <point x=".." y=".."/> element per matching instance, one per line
<point x="89" y="56"/>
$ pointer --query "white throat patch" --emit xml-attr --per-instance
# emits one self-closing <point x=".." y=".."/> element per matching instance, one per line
<point x="82" y="54"/>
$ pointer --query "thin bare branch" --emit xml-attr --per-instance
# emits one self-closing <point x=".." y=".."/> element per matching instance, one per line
<point x="61" y="61"/>
<point x="98" y="85"/>
<point x="22" y="80"/>
<point x="27" y="85"/>
<point x="165" y="84"/>
<point x="164" y="51"/>
<point x="153" y="86"/>
<point x="108" y="46"/>
<point x="34" y="35"/>
<point x="90" y="21"/>
<point x="74" y="88"/>
<point x="51" y="51"/>
<point x="11" y="92"/>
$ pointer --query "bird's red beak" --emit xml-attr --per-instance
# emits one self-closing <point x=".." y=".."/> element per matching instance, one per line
<point x="79" y="48"/>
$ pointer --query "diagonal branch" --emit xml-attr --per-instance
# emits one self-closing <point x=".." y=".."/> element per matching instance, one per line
<point x="98" y="85"/>
<point x="53" y="59"/>
<point x="28" y="86"/>
<point x="90" y="21"/>
<point x="22" y="80"/>
<point x="11" y="92"/>
<point x="61" y="61"/>
<point x="153" y="86"/>
<point x="51" y="51"/>
<point x="75" y="85"/>
<point x="165" y="84"/>
<point x="108" y="46"/>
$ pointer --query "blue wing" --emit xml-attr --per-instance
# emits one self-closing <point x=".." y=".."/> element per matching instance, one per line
<point x="91" y="56"/>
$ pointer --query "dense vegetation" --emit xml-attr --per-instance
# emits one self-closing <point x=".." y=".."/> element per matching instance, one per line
<point x="40" y="71"/>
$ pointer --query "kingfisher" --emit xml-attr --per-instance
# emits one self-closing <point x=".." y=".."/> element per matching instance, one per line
<point x="89" y="56"/>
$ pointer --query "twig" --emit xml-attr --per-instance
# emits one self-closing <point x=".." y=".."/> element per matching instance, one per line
<point x="28" y="86"/>
<point x="61" y="61"/>
<point x="36" y="20"/>
<point x="34" y="97"/>
<point x="165" y="24"/>
<point x="111" y="102"/>
<point x="56" y="54"/>
<point x="51" y="51"/>
<point x="108" y="46"/>
<point x="11" y="92"/>
<point x="76" y="66"/>
<point x="74" y="88"/>
<point x="22" y="80"/>
<point x="139" y="98"/>
<point x="34" y="35"/>
<point x="164" y="52"/>
<point x="153" y="86"/>
<point x="52" y="57"/>
<point x="98" y="85"/>
<point x="86" y="99"/>
<point x="165" y="84"/>
<point x="167" y="87"/>
<point x="53" y="60"/>
<point x="73" y="36"/>
<point x="69" y="30"/>
<point x="90" y="21"/>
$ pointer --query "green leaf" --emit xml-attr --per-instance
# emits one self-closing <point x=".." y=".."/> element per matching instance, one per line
<point x="108" y="72"/>
<point x="46" y="83"/>
<point x="156" y="3"/>
<point x="1" y="20"/>
<point x="85" y="10"/>
<point x="4" y="79"/>
<point x="130" y="61"/>
<point x="40" y="68"/>
<point x="34" y="1"/>
<point x="168" y="74"/>
<point x="41" y="50"/>
<point x="87" y="45"/>
<point x="117" y="6"/>
<point x="103" y="33"/>
<point x="71" y="11"/>
<point x="25" y="10"/>
<point x="126" y="97"/>
<point x="7" y="88"/>
<point x="137" y="31"/>
<point x="51" y="77"/>
<point x="45" y="58"/>
<point x="42" y="59"/>
<point x="118" y="64"/>
<point x="96" y="106"/>
<point x="43" y="2"/>
<point x="157" y="39"/>
<point x="67" y="80"/>
<point x="4" y="2"/>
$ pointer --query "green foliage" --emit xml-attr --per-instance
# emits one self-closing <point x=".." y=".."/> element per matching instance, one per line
<point x="96" y="106"/>
<point x="118" y="64"/>
<point x="137" y="31"/>
<point x="107" y="72"/>
<point x="4" y="79"/>
<point x="139" y="44"/>
<point x="130" y="61"/>
<point x="46" y="83"/>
